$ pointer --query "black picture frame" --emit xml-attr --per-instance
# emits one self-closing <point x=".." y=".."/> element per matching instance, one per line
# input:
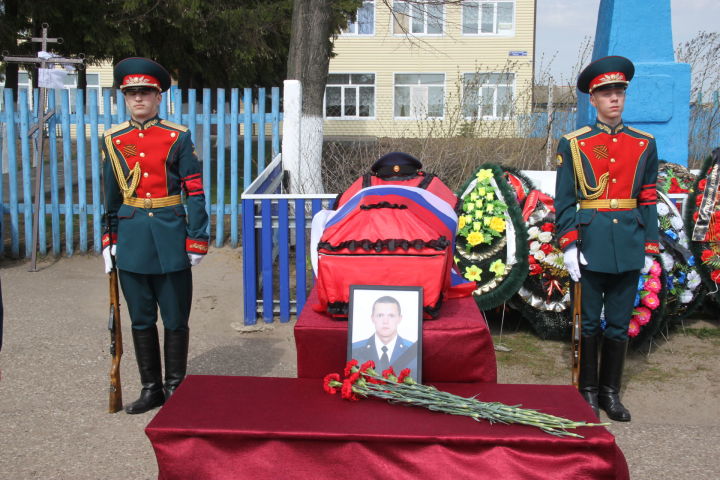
<point x="406" y="343"/>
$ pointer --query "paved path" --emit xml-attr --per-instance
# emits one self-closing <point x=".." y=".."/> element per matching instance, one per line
<point x="54" y="364"/>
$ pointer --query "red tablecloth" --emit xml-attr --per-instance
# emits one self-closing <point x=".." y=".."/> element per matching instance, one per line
<point x="457" y="346"/>
<point x="271" y="428"/>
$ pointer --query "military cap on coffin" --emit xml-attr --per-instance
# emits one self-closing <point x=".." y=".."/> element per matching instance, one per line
<point x="135" y="72"/>
<point x="604" y="72"/>
<point x="396" y="163"/>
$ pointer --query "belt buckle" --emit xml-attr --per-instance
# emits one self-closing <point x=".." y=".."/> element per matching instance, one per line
<point x="614" y="203"/>
<point x="147" y="203"/>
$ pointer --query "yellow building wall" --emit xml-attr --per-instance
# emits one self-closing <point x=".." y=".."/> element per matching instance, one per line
<point x="452" y="54"/>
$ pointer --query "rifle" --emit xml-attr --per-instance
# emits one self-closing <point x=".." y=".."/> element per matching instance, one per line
<point x="116" y="344"/>
<point x="576" y="332"/>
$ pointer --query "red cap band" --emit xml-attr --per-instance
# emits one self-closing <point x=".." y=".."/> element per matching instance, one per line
<point x="606" y="79"/>
<point x="140" y="80"/>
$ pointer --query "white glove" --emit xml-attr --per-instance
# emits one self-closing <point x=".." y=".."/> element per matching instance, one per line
<point x="107" y="253"/>
<point x="570" y="256"/>
<point x="194" y="258"/>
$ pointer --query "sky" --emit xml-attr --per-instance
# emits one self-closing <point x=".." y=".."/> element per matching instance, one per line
<point x="563" y="25"/>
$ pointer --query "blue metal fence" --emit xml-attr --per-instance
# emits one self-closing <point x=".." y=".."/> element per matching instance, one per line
<point x="276" y="238"/>
<point x="70" y="171"/>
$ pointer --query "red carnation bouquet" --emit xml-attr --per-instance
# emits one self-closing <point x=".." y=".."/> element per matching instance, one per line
<point x="364" y="381"/>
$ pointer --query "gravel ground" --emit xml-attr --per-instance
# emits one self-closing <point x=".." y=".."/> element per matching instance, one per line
<point x="54" y="376"/>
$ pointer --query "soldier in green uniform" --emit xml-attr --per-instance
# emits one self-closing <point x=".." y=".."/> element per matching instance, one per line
<point x="149" y="166"/>
<point x="606" y="219"/>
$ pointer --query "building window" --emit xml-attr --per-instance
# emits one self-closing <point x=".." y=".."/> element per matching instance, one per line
<point x="364" y="23"/>
<point x="489" y="17"/>
<point x="350" y="95"/>
<point x="419" y="17"/>
<point x="488" y="95"/>
<point x="419" y="95"/>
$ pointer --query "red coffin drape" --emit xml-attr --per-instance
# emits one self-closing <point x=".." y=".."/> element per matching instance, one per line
<point x="270" y="428"/>
<point x="457" y="346"/>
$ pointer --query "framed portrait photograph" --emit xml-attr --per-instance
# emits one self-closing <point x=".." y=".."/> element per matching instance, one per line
<point x="385" y="326"/>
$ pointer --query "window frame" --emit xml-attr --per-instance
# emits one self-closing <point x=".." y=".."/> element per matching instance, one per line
<point x="409" y="31"/>
<point x="508" y="33"/>
<point x="512" y="85"/>
<point x="346" y="33"/>
<point x="342" y="97"/>
<point x="426" y="116"/>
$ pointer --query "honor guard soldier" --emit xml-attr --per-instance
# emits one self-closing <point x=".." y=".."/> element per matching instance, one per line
<point x="606" y="220"/>
<point x="149" y="165"/>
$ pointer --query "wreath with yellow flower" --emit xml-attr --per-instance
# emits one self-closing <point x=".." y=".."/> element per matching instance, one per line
<point x="490" y="248"/>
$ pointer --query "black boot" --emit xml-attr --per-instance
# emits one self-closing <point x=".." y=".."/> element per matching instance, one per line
<point x="611" y="370"/>
<point x="147" y="351"/>
<point x="588" y="381"/>
<point x="176" y="351"/>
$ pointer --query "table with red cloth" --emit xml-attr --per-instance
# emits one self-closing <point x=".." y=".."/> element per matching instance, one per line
<point x="221" y="428"/>
<point x="456" y="347"/>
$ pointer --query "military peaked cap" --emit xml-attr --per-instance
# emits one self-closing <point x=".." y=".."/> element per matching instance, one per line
<point x="135" y="72"/>
<point x="396" y="163"/>
<point x="606" y="71"/>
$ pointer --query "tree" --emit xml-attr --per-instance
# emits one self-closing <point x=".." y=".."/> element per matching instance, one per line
<point x="212" y="43"/>
<point x="308" y="62"/>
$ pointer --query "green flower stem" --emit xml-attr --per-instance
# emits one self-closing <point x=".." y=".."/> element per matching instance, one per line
<point x="433" y="399"/>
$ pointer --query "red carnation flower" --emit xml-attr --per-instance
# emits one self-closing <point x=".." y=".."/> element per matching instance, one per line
<point x="546" y="248"/>
<point x="369" y="364"/>
<point x="701" y="185"/>
<point x="326" y="383"/>
<point x="548" y="227"/>
<point x="706" y="255"/>
<point x="695" y="216"/>
<point x="389" y="371"/>
<point x="698" y="200"/>
<point x="535" y="269"/>
<point x="349" y="366"/>
<point x="532" y="260"/>
<point x="347" y="391"/>
<point x="404" y="373"/>
<point x="715" y="276"/>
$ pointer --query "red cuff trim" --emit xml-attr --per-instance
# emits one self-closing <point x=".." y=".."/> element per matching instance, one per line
<point x="193" y="175"/>
<point x="646" y="196"/>
<point x="652" y="248"/>
<point x="568" y="239"/>
<point x="649" y="185"/>
<point x="193" y="185"/>
<point x="106" y="239"/>
<point x="196" y="246"/>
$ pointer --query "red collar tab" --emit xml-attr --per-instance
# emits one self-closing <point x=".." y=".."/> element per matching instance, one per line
<point x="606" y="79"/>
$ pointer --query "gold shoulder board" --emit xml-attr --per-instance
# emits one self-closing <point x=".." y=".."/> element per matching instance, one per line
<point x="116" y="128"/>
<point x="637" y="130"/>
<point x="577" y="133"/>
<point x="176" y="126"/>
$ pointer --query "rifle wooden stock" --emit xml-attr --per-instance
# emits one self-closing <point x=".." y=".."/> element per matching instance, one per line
<point x="576" y="333"/>
<point x="116" y="345"/>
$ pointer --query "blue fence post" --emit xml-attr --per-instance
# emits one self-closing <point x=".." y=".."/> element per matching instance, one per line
<point x="234" y="101"/>
<point x="206" y="157"/>
<point x="95" y="168"/>
<point x="284" y="258"/>
<point x="300" y="283"/>
<point x="81" y="169"/>
<point x="26" y="169"/>
<point x="249" y="266"/>
<point x="275" y="118"/>
<point x="67" y="170"/>
<point x="12" y="172"/>
<point x="266" y="252"/>
<point x="40" y="170"/>
<point x="220" y="212"/>
<point x="54" y="193"/>
<point x="247" y="138"/>
<point x="261" y="130"/>
<point x="191" y="121"/>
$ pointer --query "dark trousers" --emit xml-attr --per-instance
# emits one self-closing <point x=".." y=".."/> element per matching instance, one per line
<point x="614" y="291"/>
<point x="144" y="293"/>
